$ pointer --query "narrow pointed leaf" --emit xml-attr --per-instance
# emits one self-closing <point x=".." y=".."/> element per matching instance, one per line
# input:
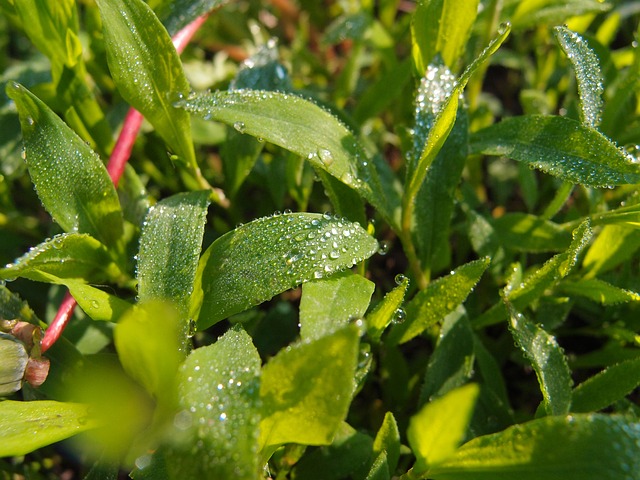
<point x="536" y="12"/>
<point x="548" y="361"/>
<point x="147" y="70"/>
<point x="387" y="441"/>
<point x="331" y="303"/>
<point x="170" y="246"/>
<point x="386" y="311"/>
<point x="530" y="233"/>
<point x="614" y="245"/>
<point x="27" y="426"/>
<point x="177" y="14"/>
<point x="440" y="298"/>
<point x="599" y="291"/>
<point x="440" y="426"/>
<point x="306" y="129"/>
<point x="587" y="71"/>
<point x="606" y="387"/>
<point x="588" y="447"/>
<point x="306" y="390"/>
<point x="559" y="146"/>
<point x="258" y="260"/>
<point x="71" y="180"/>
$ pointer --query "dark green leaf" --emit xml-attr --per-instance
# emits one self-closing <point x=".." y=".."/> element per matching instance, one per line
<point x="606" y="387"/>
<point x="71" y="181"/>
<point x="530" y="233"/>
<point x="559" y="146"/>
<point x="387" y="441"/>
<point x="177" y="14"/>
<point x="258" y="260"/>
<point x="534" y="12"/>
<point x="387" y="310"/>
<point x="599" y="291"/>
<point x="585" y="447"/>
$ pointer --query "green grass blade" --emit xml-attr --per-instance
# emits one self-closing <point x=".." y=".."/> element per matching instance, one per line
<point x="387" y="310"/>
<point x="552" y="12"/>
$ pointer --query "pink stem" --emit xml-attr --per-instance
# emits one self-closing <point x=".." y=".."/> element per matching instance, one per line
<point x="115" y="167"/>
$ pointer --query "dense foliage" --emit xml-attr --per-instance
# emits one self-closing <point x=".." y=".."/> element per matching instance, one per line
<point x="328" y="240"/>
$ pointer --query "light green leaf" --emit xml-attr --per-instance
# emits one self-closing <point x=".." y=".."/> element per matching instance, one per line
<point x="606" y="387"/>
<point x="387" y="441"/>
<point x="147" y="70"/>
<point x="440" y="298"/>
<point x="441" y="27"/>
<point x="331" y="303"/>
<point x="439" y="427"/>
<point x="587" y="70"/>
<point x="258" y="260"/>
<point x="14" y="362"/>
<point x="614" y="245"/>
<point x="387" y="310"/>
<point x="70" y="256"/>
<point x="170" y="246"/>
<point x="379" y="468"/>
<point x="530" y="233"/>
<point x="306" y="129"/>
<point x="560" y="146"/>
<point x="306" y="390"/>
<point x="536" y="12"/>
<point x="588" y="447"/>
<point x="177" y="14"/>
<point x="71" y="180"/>
<point x="548" y="361"/>
<point x="27" y="426"/>
<point x="216" y="430"/>
<point x="599" y="291"/>
<point x="97" y="304"/>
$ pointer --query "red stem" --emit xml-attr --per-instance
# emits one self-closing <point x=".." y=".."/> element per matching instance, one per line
<point x="115" y="167"/>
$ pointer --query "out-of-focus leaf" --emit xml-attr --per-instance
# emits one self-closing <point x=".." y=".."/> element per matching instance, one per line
<point x="387" y="310"/>
<point x="614" y="245"/>
<point x="27" y="426"/>
<point x="599" y="291"/>
<point x="530" y="233"/>
<point x="606" y="387"/>
<point x="440" y="298"/>
<point x="177" y="14"/>
<point x="216" y="431"/>
<point x="306" y="390"/>
<point x="14" y="361"/>
<point x="535" y="12"/>
<point x="258" y="260"/>
<point x="147" y="70"/>
<point x="560" y="146"/>
<point x="331" y="303"/>
<point x="71" y="180"/>
<point x="387" y="441"/>
<point x="588" y="447"/>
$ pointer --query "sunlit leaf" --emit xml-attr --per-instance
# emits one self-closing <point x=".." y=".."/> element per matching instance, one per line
<point x="387" y="310"/>
<point x="599" y="291"/>
<point x="606" y="387"/>
<point x="387" y="441"/>
<point x="535" y="12"/>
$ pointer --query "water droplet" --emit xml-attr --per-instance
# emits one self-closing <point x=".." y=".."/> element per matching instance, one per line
<point x="399" y="316"/>
<point x="384" y="247"/>
<point x="326" y="157"/>
<point x="240" y="127"/>
<point x="400" y="278"/>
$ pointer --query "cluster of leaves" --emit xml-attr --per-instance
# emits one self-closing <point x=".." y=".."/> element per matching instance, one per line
<point x="464" y="308"/>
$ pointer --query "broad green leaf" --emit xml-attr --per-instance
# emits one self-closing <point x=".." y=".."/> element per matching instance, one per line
<point x="348" y="456"/>
<point x="548" y="361"/>
<point x="440" y="298"/>
<point x="441" y="27"/>
<point x="614" y="245"/>
<point x="606" y="387"/>
<point x="560" y="146"/>
<point x="535" y="12"/>
<point x="379" y="468"/>
<point x="588" y="447"/>
<point x="12" y="307"/>
<point x="27" y="426"/>
<point x="387" y="310"/>
<point x="530" y="233"/>
<point x="329" y="304"/>
<point x="71" y="180"/>
<point x="177" y="14"/>
<point x="216" y="431"/>
<point x="587" y="71"/>
<point x="452" y="362"/>
<point x="69" y="255"/>
<point x="258" y="260"/>
<point x="14" y="362"/>
<point x="345" y="201"/>
<point x="306" y="129"/>
<point x="387" y="441"/>
<point x="439" y="427"/>
<point x="97" y="304"/>
<point x="148" y="343"/>
<point x="599" y="291"/>
<point x="306" y="390"/>
<point x="170" y="246"/>
<point x="147" y="70"/>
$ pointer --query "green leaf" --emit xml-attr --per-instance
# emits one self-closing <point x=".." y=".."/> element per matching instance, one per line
<point x="588" y="447"/>
<point x="614" y="245"/>
<point x="27" y="426"/>
<point x="98" y="305"/>
<point x="530" y="233"/>
<point x="306" y="390"/>
<point x="548" y="361"/>
<point x="387" y="310"/>
<point x="379" y="468"/>
<point x="177" y="14"/>
<point x="440" y="298"/>
<point x="14" y="362"/>
<point x="387" y="441"/>
<point x="599" y="291"/>
<point x="216" y="430"/>
<point x="331" y="303"/>
<point x="439" y="427"/>
<point x="170" y="246"/>
<point x="587" y="70"/>
<point x="560" y="146"/>
<point x="69" y="255"/>
<point x="258" y="260"/>
<point x="134" y="37"/>
<point x="71" y="180"/>
<point x="606" y="387"/>
<point x="535" y="12"/>
<point x="441" y="27"/>
<point x="306" y="129"/>
<point x="12" y="306"/>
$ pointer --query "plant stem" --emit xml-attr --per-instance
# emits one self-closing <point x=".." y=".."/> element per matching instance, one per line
<point x="53" y="332"/>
